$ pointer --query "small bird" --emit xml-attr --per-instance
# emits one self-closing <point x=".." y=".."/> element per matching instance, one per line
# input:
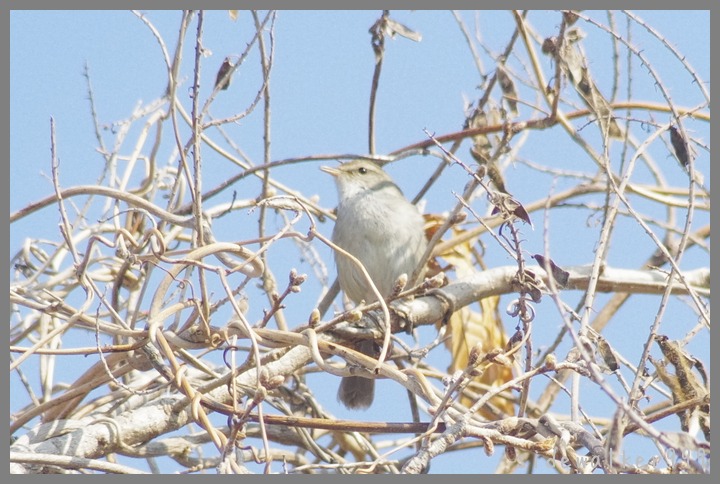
<point x="383" y="230"/>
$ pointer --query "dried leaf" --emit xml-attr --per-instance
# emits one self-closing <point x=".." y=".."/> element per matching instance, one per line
<point x="508" y="88"/>
<point x="223" y="78"/>
<point x="684" y="384"/>
<point x="482" y="146"/>
<point x="393" y="27"/>
<point x="680" y="146"/>
<point x="607" y="354"/>
<point x="570" y="16"/>
<point x="560" y="275"/>
<point x="481" y="332"/>
<point x="508" y="206"/>
<point x="572" y="62"/>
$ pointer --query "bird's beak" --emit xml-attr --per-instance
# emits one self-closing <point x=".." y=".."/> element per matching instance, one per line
<point x="332" y="171"/>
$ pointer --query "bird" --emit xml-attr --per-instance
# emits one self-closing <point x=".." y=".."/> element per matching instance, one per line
<point x="385" y="232"/>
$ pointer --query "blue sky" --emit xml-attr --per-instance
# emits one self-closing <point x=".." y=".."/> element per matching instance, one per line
<point x="320" y="88"/>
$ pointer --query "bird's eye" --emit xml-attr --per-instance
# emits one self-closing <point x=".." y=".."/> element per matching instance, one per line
<point x="362" y="170"/>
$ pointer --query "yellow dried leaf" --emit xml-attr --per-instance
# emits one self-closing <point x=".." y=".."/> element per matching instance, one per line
<point x="468" y="328"/>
